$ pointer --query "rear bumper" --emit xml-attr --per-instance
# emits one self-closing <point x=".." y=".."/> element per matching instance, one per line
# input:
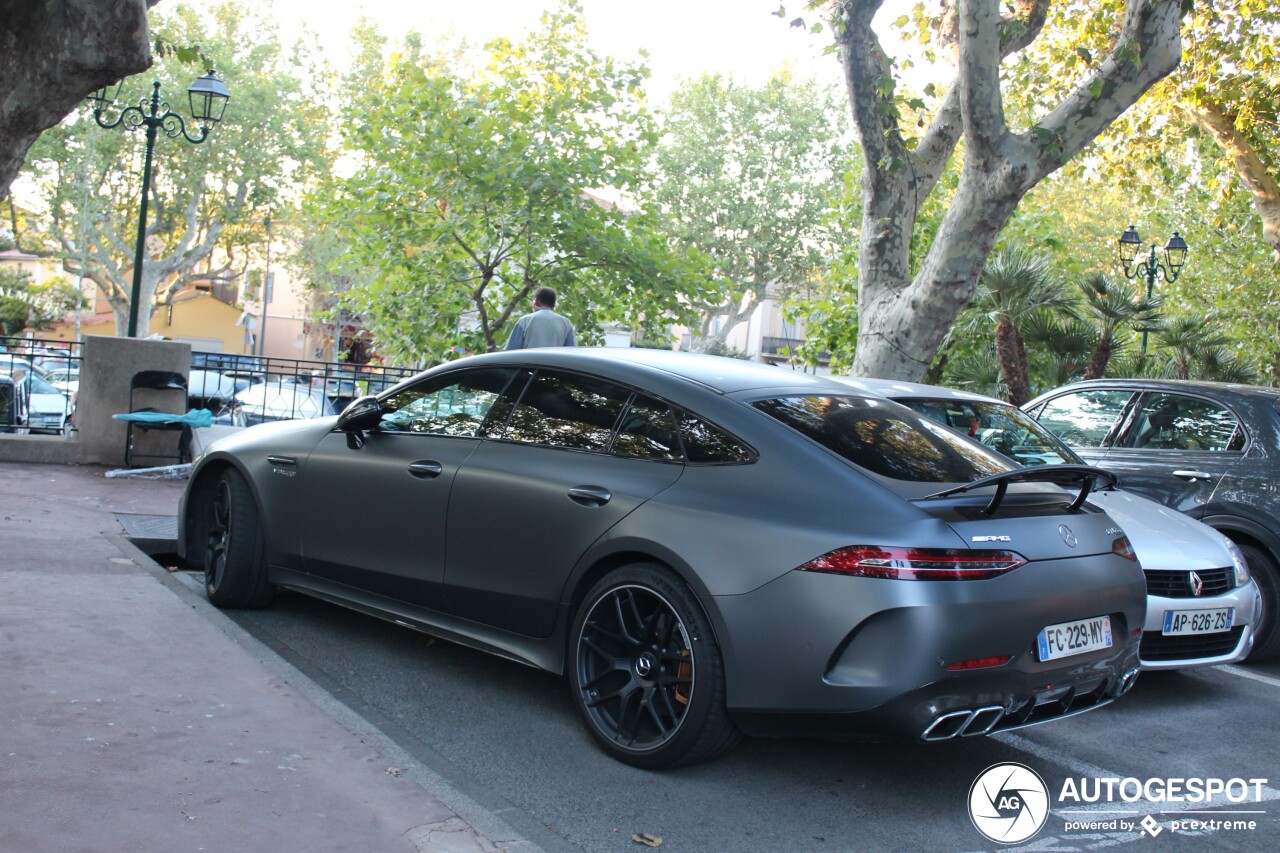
<point x="965" y="708"/>
<point x="855" y="657"/>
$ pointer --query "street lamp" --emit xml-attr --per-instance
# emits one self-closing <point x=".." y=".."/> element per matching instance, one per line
<point x="1175" y="255"/>
<point x="208" y="96"/>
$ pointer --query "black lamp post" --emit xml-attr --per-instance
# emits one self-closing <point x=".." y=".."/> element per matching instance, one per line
<point x="1175" y="255"/>
<point x="208" y="96"/>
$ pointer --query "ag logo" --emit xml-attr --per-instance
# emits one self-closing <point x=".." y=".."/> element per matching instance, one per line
<point x="1008" y="803"/>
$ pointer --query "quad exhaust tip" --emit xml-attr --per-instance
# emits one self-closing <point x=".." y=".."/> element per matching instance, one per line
<point x="963" y="724"/>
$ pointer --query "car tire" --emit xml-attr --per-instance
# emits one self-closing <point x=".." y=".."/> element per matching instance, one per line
<point x="646" y="672"/>
<point x="235" y="565"/>
<point x="1266" y="575"/>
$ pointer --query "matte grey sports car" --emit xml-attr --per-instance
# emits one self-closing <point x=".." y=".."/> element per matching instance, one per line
<point x="706" y="547"/>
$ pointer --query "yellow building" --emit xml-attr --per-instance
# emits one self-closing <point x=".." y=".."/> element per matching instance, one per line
<point x="195" y="316"/>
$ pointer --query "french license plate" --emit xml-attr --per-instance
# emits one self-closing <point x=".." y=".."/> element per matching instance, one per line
<point x="1073" y="638"/>
<point x="1178" y="623"/>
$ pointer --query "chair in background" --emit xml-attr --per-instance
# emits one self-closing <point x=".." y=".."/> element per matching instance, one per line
<point x="148" y="390"/>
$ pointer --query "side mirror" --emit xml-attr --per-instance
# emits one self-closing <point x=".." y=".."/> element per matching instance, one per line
<point x="362" y="414"/>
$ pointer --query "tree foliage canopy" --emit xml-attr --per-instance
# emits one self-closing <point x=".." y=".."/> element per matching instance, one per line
<point x="476" y="187"/>
<point x="212" y="195"/>
<point x="746" y="179"/>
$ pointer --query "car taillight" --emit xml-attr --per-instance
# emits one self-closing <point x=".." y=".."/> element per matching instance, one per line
<point x="1123" y="548"/>
<point x="979" y="663"/>
<point x="919" y="564"/>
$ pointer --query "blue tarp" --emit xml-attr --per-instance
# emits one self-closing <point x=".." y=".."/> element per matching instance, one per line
<point x="195" y="417"/>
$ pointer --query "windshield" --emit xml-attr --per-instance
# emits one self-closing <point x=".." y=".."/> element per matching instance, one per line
<point x="1000" y="426"/>
<point x="886" y="438"/>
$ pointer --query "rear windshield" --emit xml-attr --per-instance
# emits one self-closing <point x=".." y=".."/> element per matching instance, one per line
<point x="1002" y="427"/>
<point x="886" y="438"/>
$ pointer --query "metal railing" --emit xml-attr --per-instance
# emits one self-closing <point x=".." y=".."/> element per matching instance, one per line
<point x="245" y="389"/>
<point x="39" y="380"/>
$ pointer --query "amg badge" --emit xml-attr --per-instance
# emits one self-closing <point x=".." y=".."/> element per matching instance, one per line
<point x="991" y="539"/>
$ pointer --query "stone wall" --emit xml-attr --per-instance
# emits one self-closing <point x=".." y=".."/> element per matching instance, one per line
<point x="105" y="374"/>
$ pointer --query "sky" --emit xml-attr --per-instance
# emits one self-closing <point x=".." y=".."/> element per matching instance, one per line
<point x="684" y="38"/>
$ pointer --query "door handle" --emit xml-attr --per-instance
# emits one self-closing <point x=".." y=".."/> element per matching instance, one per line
<point x="1193" y="475"/>
<point x="590" y="495"/>
<point x="426" y="470"/>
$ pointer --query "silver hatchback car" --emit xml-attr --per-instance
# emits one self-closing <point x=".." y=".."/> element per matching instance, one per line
<point x="1202" y="605"/>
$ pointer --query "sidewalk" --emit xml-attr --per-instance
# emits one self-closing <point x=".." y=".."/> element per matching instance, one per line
<point x="134" y="716"/>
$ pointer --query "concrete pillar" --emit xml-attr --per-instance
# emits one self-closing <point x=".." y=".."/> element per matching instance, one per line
<point x="108" y="367"/>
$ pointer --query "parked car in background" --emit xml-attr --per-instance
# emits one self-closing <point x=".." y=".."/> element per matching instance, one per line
<point x="209" y="389"/>
<point x="36" y="406"/>
<point x="279" y="401"/>
<point x="344" y="385"/>
<point x="1202" y="605"/>
<point x="704" y="547"/>
<point x="65" y="379"/>
<point x="1211" y="450"/>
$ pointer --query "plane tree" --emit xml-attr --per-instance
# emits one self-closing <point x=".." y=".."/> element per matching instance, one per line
<point x="909" y="137"/>
<point x="474" y="185"/>
<point x="209" y="202"/>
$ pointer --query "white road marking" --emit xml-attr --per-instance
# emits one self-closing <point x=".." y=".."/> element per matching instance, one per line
<point x="1245" y="673"/>
<point x="1075" y="842"/>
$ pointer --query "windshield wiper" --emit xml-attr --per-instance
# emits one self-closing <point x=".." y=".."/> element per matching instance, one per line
<point x="1084" y="477"/>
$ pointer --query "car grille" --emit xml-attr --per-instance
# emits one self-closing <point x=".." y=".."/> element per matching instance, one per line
<point x="1157" y="647"/>
<point x="1178" y="584"/>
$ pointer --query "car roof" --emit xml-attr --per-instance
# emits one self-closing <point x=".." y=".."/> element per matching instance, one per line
<point x="899" y="390"/>
<point x="723" y="375"/>
<point x="1184" y="385"/>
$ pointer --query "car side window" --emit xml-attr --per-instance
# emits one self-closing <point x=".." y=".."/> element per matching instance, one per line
<point x="1084" y="418"/>
<point x="705" y="444"/>
<point x="454" y="404"/>
<point x="567" y="410"/>
<point x="1179" y="422"/>
<point x="648" y="431"/>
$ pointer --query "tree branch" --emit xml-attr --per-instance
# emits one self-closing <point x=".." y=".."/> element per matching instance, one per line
<point x="1254" y="173"/>
<point x="1148" y="48"/>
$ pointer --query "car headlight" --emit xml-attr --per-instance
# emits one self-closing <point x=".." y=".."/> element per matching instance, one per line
<point x="1239" y="563"/>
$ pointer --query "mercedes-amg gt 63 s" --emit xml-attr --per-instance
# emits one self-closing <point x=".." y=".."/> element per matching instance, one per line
<point x="705" y="547"/>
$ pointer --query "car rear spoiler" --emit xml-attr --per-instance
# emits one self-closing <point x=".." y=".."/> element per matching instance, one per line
<point x="1083" y="477"/>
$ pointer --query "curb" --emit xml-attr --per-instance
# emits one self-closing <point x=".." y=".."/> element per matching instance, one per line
<point x="476" y="829"/>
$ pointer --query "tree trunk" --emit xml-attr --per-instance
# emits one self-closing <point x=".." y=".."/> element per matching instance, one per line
<point x="54" y="53"/>
<point x="1100" y="359"/>
<point x="903" y="318"/>
<point x="1013" y="368"/>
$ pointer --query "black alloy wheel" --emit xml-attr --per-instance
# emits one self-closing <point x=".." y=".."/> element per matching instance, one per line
<point x="647" y="673"/>
<point x="235" y="572"/>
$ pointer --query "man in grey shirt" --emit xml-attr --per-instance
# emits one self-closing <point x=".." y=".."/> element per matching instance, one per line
<point x="544" y="327"/>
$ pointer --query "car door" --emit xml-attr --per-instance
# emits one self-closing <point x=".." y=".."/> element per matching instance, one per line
<point x="1087" y="420"/>
<point x="525" y="508"/>
<point x="375" y="515"/>
<point x="1176" y="448"/>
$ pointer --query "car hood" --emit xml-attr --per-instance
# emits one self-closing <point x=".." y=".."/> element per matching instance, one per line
<point x="48" y="404"/>
<point x="1163" y="538"/>
<point x="294" y="436"/>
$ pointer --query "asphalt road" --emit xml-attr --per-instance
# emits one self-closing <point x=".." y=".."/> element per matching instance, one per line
<point x="509" y="737"/>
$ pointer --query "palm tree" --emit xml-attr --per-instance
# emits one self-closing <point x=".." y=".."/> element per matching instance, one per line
<point x="1062" y="348"/>
<point x="1015" y="285"/>
<point x="1195" y="347"/>
<point x="977" y="371"/>
<point x="1114" y="306"/>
